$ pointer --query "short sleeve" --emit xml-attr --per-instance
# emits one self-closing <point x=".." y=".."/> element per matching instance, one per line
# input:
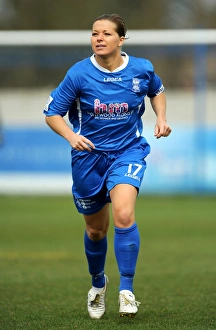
<point x="155" y="86"/>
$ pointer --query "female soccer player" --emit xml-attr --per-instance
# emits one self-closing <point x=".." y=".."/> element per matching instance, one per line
<point x="104" y="98"/>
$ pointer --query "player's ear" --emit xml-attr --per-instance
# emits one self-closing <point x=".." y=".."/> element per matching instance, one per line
<point x="121" y="41"/>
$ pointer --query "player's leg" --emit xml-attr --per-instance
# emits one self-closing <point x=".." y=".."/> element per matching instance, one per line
<point x="126" y="239"/>
<point x="123" y="197"/>
<point x="95" y="242"/>
<point x="90" y="197"/>
<point x="126" y="244"/>
<point x="123" y="184"/>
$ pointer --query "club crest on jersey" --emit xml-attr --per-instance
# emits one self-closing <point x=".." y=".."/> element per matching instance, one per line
<point x="136" y="85"/>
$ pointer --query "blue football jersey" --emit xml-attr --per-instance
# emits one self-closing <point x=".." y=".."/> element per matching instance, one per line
<point x="106" y="107"/>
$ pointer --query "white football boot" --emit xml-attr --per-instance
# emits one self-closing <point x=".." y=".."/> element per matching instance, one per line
<point x="128" y="306"/>
<point x="96" y="301"/>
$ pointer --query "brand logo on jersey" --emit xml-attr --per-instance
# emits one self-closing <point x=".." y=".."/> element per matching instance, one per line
<point x="136" y="85"/>
<point x="112" y="79"/>
<point x="160" y="90"/>
<point x="48" y="103"/>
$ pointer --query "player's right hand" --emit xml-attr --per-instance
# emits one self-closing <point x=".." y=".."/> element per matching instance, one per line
<point x="80" y="143"/>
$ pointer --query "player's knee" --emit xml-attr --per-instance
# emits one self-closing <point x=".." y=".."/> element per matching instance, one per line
<point x="123" y="218"/>
<point x="96" y="234"/>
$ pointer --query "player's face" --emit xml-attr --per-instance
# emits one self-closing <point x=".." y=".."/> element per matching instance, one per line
<point x="105" y="40"/>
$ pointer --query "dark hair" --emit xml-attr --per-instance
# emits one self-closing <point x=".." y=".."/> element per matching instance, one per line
<point x="121" y="28"/>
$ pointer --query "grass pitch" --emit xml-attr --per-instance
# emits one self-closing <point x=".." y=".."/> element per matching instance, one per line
<point x="44" y="278"/>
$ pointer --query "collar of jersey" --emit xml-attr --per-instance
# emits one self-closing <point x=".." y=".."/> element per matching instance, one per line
<point x="121" y="67"/>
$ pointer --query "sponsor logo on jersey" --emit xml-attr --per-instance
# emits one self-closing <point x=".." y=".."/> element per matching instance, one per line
<point x="114" y="110"/>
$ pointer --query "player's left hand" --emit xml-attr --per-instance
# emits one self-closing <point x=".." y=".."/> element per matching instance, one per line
<point x="162" y="129"/>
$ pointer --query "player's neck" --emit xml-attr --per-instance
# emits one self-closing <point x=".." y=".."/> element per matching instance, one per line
<point x="110" y="63"/>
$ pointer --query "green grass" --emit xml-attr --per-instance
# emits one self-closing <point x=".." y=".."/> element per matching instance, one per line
<point x="44" y="277"/>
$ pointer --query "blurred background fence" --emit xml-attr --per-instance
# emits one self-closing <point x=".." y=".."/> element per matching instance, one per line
<point x="33" y="159"/>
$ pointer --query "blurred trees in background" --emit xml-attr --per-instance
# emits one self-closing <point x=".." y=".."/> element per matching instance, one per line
<point x="41" y="66"/>
<point x="138" y="14"/>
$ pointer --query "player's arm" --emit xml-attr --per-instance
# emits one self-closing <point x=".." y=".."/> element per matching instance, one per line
<point x="158" y="103"/>
<point x="59" y="125"/>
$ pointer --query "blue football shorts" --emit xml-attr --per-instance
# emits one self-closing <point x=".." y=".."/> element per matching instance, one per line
<point x="95" y="173"/>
